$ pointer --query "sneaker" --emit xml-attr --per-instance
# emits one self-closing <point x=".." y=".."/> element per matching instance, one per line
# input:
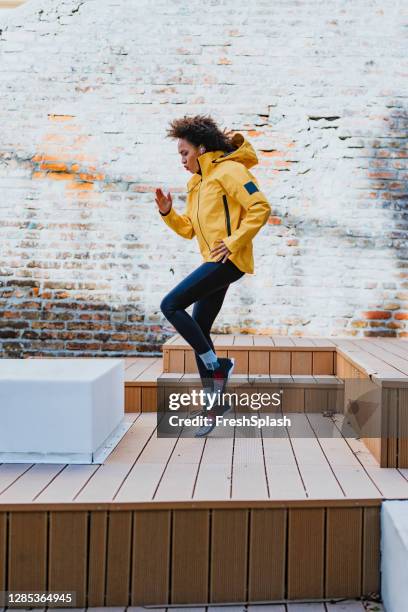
<point x="218" y="410"/>
<point x="223" y="373"/>
<point x="203" y="410"/>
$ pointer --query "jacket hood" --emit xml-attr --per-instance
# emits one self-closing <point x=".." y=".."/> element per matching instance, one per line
<point x="244" y="153"/>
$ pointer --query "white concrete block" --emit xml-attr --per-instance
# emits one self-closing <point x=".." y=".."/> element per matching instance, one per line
<point x="394" y="555"/>
<point x="60" y="410"/>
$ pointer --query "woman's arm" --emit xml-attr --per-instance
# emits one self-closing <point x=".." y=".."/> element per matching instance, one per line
<point x="239" y="184"/>
<point x="181" y="224"/>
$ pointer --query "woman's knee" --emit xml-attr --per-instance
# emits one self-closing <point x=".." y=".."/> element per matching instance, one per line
<point x="170" y="304"/>
<point x="166" y="306"/>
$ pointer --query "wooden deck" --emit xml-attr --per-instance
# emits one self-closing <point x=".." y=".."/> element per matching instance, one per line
<point x="271" y="519"/>
<point x="345" y="606"/>
<point x="381" y="361"/>
<point x="144" y="471"/>
<point x="183" y="521"/>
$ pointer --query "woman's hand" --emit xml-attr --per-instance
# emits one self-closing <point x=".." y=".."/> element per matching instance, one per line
<point x="163" y="202"/>
<point x="220" y="250"/>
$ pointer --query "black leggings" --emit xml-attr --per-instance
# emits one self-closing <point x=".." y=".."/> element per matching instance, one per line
<point x="206" y="286"/>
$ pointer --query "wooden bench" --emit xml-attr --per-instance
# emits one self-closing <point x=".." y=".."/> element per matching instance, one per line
<point x="375" y="372"/>
<point x="374" y="368"/>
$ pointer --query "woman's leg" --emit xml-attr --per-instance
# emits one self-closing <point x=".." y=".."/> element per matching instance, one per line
<point x="207" y="279"/>
<point x="204" y="313"/>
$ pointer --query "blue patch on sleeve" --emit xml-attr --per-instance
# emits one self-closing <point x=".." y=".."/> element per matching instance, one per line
<point x="251" y="187"/>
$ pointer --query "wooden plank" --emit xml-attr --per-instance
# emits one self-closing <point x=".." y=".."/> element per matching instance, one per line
<point x="283" y="341"/>
<point x="371" y="551"/>
<point x="190" y="555"/>
<point x="258" y="362"/>
<point x="98" y="525"/>
<point x="118" y="555"/>
<point x="143" y="478"/>
<point x="3" y="550"/>
<point x="241" y="361"/>
<point x="166" y="359"/>
<point x="267" y="554"/>
<point x="248" y="469"/>
<point x="149" y="399"/>
<point x="384" y="355"/>
<point x="139" y="365"/>
<point x="263" y="341"/>
<point x="349" y="473"/>
<point x="68" y="554"/>
<point x="316" y="400"/>
<point x="190" y="363"/>
<point x="130" y="361"/>
<point x="280" y="362"/>
<point x="107" y="480"/>
<point x="182" y="343"/>
<point x="150" y="374"/>
<point x="180" y="473"/>
<point x="229" y="555"/>
<point x="31" y="483"/>
<point x="279" y="459"/>
<point x="397" y="347"/>
<point x="389" y="481"/>
<point x="150" y="557"/>
<point x="133" y="399"/>
<point x="389" y="407"/>
<point x="324" y="343"/>
<point x="27" y="557"/>
<point x="343" y="552"/>
<point x="293" y="399"/>
<point x="243" y="340"/>
<point x="66" y="485"/>
<point x="305" y="553"/>
<point x="141" y="483"/>
<point x="322" y="362"/>
<point x="349" y="606"/>
<point x="11" y="472"/>
<point x="223" y="340"/>
<point x="370" y="363"/>
<point x="315" y="470"/>
<point x="176" y="361"/>
<point x="261" y="608"/>
<point x="172" y="340"/>
<point x="314" y="607"/>
<point x="402" y="428"/>
<point x="301" y="362"/>
<point x="215" y="469"/>
<point x="303" y="380"/>
<point x="300" y="341"/>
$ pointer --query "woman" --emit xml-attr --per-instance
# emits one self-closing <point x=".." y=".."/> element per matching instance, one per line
<point x="224" y="211"/>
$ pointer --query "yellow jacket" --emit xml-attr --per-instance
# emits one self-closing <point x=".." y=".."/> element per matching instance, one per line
<point x="224" y="201"/>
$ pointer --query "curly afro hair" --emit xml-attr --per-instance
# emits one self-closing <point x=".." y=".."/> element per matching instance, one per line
<point x="201" y="130"/>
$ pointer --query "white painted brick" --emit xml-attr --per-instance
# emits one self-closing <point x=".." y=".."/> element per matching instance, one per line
<point x="124" y="70"/>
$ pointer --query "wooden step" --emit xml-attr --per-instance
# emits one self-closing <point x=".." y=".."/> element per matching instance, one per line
<point x="141" y="375"/>
<point x="380" y="361"/>
<point x="299" y="393"/>
<point x="299" y="517"/>
<point x="258" y="354"/>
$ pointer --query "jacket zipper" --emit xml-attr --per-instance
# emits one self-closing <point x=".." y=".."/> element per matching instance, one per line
<point x="227" y="215"/>
<point x="198" y="208"/>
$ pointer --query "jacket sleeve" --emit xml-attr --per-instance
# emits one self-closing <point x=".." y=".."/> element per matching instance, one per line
<point x="240" y="185"/>
<point x="181" y="224"/>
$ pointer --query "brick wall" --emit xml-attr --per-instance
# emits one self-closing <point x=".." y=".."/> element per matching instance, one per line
<point x="87" y="90"/>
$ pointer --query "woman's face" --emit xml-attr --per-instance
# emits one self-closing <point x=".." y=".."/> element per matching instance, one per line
<point x="189" y="154"/>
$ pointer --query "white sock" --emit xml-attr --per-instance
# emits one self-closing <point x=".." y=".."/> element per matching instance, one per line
<point x="210" y="360"/>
